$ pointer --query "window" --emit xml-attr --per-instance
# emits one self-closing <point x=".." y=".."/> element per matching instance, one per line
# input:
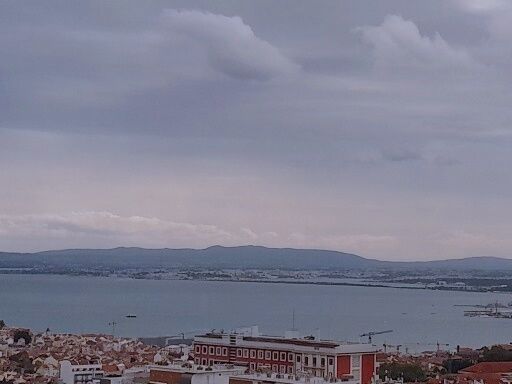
<point x="322" y="362"/>
<point x="198" y="349"/>
<point x="212" y="350"/>
<point x="253" y="366"/>
<point x="314" y="361"/>
<point x="205" y="349"/>
<point x="253" y="354"/>
<point x="297" y="358"/>
<point x="282" y="368"/>
<point x="260" y="355"/>
<point x="238" y="352"/>
<point x="267" y="355"/>
<point x="331" y="361"/>
<point x="197" y="361"/>
<point x="246" y="353"/>
<point x="204" y="362"/>
<point x="224" y="351"/>
<point x="275" y="355"/>
<point x="306" y="360"/>
<point x="217" y="351"/>
<point x="274" y="368"/>
<point x="283" y="356"/>
<point x="290" y="357"/>
<point x="290" y="370"/>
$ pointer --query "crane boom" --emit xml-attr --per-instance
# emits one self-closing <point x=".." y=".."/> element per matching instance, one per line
<point x="373" y="333"/>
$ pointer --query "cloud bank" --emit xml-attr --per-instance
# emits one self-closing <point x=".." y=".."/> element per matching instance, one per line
<point x="383" y="131"/>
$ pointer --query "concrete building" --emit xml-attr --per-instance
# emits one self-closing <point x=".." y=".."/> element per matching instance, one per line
<point x="278" y="378"/>
<point x="188" y="373"/>
<point x="71" y="373"/>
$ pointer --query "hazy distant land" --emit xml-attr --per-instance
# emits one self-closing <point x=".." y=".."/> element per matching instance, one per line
<point x="243" y="257"/>
<point x="256" y="263"/>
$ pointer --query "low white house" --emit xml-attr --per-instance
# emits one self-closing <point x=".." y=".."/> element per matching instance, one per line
<point x="79" y="374"/>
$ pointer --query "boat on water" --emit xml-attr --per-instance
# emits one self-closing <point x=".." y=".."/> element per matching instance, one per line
<point x="131" y="316"/>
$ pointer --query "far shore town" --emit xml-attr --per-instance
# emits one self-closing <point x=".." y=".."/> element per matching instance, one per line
<point x="242" y="356"/>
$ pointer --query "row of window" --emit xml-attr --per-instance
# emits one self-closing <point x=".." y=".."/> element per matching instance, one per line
<point x="218" y="351"/>
<point x="204" y="361"/>
<point x="245" y="353"/>
<point x="315" y="361"/>
<point x="253" y="366"/>
<point x="266" y="355"/>
<point x="277" y="368"/>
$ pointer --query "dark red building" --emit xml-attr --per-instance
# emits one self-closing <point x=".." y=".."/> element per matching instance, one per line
<point x="287" y="355"/>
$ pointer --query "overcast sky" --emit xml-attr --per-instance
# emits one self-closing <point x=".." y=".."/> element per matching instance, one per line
<point x="379" y="128"/>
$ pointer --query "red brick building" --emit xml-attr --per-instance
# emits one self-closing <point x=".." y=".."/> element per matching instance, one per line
<point x="297" y="356"/>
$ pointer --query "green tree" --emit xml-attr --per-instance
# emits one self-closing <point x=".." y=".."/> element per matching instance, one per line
<point x="496" y="353"/>
<point x="2" y="324"/>
<point x="455" y="365"/>
<point x="23" y="334"/>
<point x="409" y="372"/>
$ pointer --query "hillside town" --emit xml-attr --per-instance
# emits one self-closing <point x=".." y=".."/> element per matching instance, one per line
<point x="243" y="356"/>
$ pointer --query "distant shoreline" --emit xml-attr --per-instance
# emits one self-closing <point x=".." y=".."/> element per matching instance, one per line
<point x="261" y="281"/>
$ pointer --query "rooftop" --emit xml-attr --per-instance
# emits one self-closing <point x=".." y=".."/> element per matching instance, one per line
<point x="284" y="343"/>
<point x="490" y="367"/>
<point x="279" y="339"/>
<point x="198" y="369"/>
<point x="289" y="379"/>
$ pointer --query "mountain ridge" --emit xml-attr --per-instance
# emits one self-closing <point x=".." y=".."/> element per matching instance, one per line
<point x="216" y="256"/>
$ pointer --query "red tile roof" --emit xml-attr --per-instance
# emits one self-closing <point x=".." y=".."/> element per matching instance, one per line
<point x="490" y="367"/>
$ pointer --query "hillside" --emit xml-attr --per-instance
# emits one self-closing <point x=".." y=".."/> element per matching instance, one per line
<point x="243" y="257"/>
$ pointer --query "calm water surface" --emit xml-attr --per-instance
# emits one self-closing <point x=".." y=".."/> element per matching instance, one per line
<point x="419" y="318"/>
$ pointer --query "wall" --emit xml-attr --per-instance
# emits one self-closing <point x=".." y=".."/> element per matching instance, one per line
<point x="342" y="365"/>
<point x="367" y="368"/>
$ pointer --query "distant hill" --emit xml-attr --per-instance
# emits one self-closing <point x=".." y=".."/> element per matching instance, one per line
<point x="243" y="257"/>
<point x="468" y="263"/>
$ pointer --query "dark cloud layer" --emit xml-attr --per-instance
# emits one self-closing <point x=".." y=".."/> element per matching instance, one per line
<point x="376" y="128"/>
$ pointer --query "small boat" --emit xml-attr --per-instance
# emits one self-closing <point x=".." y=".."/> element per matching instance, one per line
<point x="131" y="316"/>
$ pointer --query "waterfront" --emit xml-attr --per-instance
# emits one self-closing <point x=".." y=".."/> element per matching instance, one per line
<point x="89" y="304"/>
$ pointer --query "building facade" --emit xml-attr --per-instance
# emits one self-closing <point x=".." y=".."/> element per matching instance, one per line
<point x="278" y="378"/>
<point x="79" y="374"/>
<point x="193" y="374"/>
<point x="285" y="355"/>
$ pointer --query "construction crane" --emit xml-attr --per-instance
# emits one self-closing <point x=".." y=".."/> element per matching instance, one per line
<point x="439" y="345"/>
<point x="113" y="324"/>
<point x="386" y="346"/>
<point x="373" y="333"/>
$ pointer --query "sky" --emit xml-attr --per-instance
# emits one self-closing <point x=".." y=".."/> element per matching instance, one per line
<point x="377" y="128"/>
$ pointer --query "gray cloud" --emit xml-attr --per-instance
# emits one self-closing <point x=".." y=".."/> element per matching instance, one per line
<point x="382" y="130"/>
<point x="401" y="155"/>
<point x="399" y="43"/>
<point x="232" y="47"/>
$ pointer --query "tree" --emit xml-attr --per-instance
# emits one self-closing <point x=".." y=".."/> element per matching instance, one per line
<point x="23" y="334"/>
<point x="455" y="365"/>
<point x="496" y="353"/>
<point x="2" y="324"/>
<point x="409" y="372"/>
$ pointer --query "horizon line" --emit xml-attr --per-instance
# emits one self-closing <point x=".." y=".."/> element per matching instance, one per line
<point x="255" y="246"/>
